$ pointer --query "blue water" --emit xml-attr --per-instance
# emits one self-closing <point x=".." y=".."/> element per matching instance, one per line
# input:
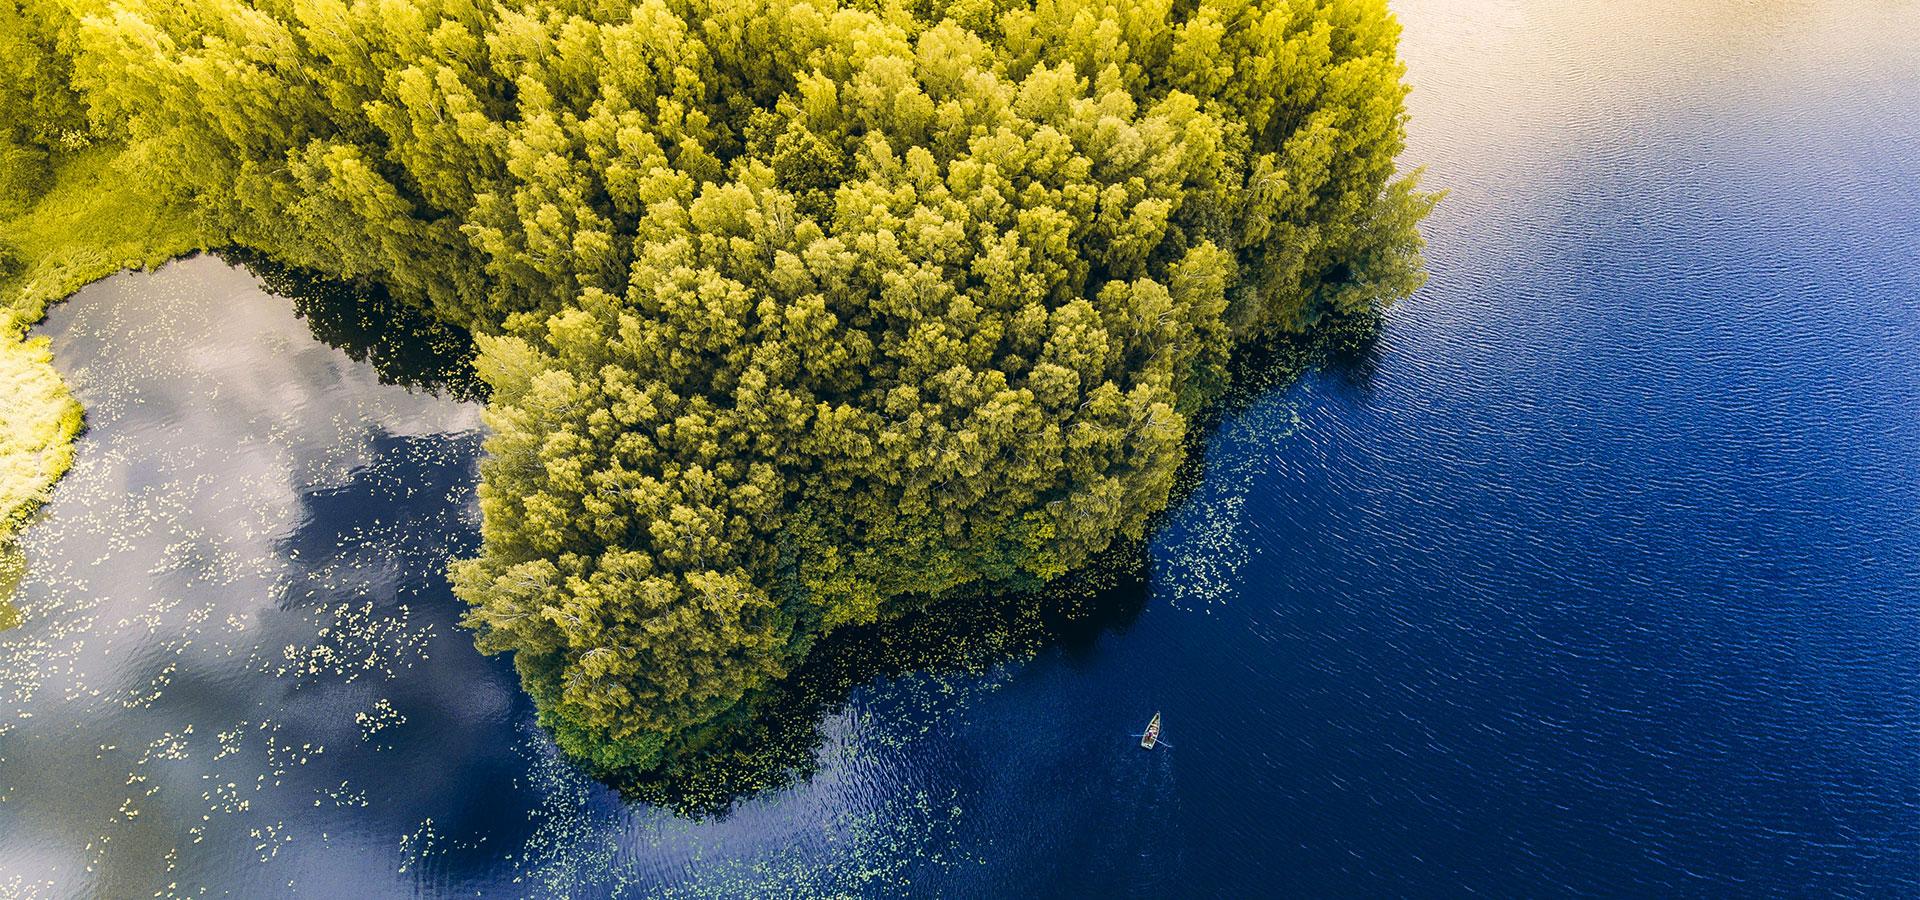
<point x="1600" y="574"/>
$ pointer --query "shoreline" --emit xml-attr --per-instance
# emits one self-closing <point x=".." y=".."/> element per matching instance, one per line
<point x="92" y="222"/>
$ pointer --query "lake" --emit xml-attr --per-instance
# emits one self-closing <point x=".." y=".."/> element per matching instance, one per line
<point x="1599" y="574"/>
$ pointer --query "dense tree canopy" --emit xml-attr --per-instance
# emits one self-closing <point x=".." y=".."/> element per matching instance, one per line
<point x="41" y="112"/>
<point x="795" y="314"/>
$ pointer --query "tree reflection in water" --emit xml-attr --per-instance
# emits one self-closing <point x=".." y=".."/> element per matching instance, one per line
<point x="775" y="741"/>
<point x="404" y="345"/>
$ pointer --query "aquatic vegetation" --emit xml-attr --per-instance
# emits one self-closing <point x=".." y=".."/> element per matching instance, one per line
<point x="795" y="316"/>
<point x="194" y="647"/>
<point x="774" y="739"/>
<point x="13" y="566"/>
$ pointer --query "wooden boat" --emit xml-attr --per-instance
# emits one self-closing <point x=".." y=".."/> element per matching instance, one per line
<point x="1152" y="734"/>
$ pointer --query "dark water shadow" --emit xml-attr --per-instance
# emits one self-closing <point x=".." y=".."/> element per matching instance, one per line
<point x="403" y="345"/>
<point x="1344" y="346"/>
<point x="1352" y="350"/>
<point x="382" y="541"/>
<point x="774" y="740"/>
<point x="384" y="538"/>
<point x="1347" y="348"/>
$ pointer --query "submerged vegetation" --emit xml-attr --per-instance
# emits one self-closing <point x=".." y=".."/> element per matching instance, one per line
<point x="13" y="566"/>
<point x="795" y="316"/>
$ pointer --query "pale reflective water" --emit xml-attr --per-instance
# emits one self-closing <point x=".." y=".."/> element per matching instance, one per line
<point x="1601" y="575"/>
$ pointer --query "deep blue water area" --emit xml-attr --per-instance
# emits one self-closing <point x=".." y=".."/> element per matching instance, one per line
<point x="1598" y="574"/>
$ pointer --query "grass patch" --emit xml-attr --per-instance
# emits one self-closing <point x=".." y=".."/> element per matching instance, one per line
<point x="37" y="427"/>
<point x="91" y="223"/>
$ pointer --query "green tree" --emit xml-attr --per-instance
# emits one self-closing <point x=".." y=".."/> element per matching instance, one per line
<point x="797" y="315"/>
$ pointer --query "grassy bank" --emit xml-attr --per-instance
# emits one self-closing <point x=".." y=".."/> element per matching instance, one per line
<point x="90" y="224"/>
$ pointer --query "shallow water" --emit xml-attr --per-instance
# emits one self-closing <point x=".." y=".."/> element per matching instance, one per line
<point x="1601" y="574"/>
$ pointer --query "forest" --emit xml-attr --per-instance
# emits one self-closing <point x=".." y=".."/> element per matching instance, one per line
<point x="793" y="316"/>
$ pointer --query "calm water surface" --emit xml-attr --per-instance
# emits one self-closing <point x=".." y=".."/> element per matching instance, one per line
<point x="1600" y="575"/>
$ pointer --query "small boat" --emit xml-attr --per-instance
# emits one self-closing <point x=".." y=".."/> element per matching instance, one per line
<point x="1152" y="734"/>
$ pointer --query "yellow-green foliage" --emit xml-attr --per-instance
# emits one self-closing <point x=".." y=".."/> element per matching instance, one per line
<point x="800" y="313"/>
<point x="40" y="113"/>
<point x="13" y="566"/>
<point x="37" y="426"/>
<point x="70" y="213"/>
<point x="93" y="222"/>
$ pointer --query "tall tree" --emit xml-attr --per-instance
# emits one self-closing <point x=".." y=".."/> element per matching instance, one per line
<point x="796" y="314"/>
